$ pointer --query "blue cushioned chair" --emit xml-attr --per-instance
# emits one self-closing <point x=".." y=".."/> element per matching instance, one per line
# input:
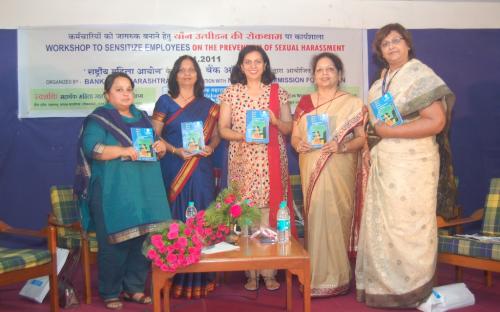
<point x="471" y="253"/>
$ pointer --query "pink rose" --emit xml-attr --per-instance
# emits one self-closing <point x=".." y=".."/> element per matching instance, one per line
<point x="152" y="254"/>
<point x="187" y="231"/>
<point x="235" y="211"/>
<point x="195" y="240"/>
<point x="170" y="249"/>
<point x="156" y="237"/>
<point x="229" y="198"/>
<point x="182" y="241"/>
<point x="158" y="243"/>
<point x="172" y="235"/>
<point x="178" y="246"/>
<point x="221" y="227"/>
<point x="174" y="227"/>
<point x="200" y="230"/>
<point x="208" y="231"/>
<point x="164" y="268"/>
<point x="193" y="250"/>
<point x="158" y="262"/>
<point x="171" y="258"/>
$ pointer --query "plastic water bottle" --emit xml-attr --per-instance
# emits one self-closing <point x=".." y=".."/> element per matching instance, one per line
<point x="283" y="223"/>
<point x="190" y="210"/>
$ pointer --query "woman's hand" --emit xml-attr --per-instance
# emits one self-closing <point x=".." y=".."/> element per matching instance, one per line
<point x="330" y="147"/>
<point x="207" y="151"/>
<point x="182" y="153"/>
<point x="129" y="152"/>
<point x="272" y="118"/>
<point x="160" y="148"/>
<point x="382" y="129"/>
<point x="303" y="147"/>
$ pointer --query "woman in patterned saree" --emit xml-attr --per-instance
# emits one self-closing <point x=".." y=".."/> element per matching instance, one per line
<point x="329" y="174"/>
<point x="397" y="248"/>
<point x="119" y="196"/>
<point x="187" y="177"/>
<point x="259" y="171"/>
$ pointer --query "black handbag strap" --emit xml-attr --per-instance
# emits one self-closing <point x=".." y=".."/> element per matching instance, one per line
<point x="71" y="264"/>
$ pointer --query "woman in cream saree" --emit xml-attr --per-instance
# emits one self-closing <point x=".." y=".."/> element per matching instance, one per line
<point x="329" y="176"/>
<point x="397" y="248"/>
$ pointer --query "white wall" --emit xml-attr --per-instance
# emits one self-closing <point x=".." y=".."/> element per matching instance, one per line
<point x="199" y="13"/>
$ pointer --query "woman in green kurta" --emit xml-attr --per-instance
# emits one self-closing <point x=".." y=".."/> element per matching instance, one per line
<point x="121" y="198"/>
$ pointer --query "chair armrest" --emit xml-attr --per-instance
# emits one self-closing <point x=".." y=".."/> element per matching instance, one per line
<point x="5" y="228"/>
<point x="476" y="216"/>
<point x="54" y="222"/>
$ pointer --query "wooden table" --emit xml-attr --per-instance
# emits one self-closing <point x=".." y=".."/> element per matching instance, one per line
<point x="252" y="255"/>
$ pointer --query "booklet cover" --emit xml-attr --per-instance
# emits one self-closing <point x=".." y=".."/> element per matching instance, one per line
<point x="37" y="288"/>
<point x="193" y="140"/>
<point x="257" y="126"/>
<point x="142" y="141"/>
<point x="318" y="130"/>
<point x="384" y="109"/>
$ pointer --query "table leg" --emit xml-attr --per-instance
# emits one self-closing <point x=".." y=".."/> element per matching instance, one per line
<point x="166" y="294"/>
<point x="289" y="291"/>
<point x="156" y="281"/>
<point x="307" y="286"/>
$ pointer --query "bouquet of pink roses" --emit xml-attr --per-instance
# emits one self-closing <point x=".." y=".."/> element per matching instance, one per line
<point x="178" y="246"/>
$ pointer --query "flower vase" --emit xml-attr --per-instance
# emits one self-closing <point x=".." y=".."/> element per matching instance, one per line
<point x="234" y="235"/>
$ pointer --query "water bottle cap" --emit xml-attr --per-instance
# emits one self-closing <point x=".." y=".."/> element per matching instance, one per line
<point x="283" y="204"/>
<point x="191" y="203"/>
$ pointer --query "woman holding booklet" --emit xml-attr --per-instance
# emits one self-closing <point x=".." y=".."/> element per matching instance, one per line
<point x="328" y="172"/>
<point x="260" y="171"/>
<point x="120" y="197"/>
<point x="397" y="247"/>
<point x="187" y="173"/>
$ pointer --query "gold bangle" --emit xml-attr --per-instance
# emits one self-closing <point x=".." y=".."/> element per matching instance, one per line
<point x="173" y="149"/>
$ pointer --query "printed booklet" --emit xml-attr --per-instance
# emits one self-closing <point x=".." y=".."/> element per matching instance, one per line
<point x="384" y="109"/>
<point x="257" y="127"/>
<point x="193" y="140"/>
<point x="318" y="130"/>
<point x="142" y="141"/>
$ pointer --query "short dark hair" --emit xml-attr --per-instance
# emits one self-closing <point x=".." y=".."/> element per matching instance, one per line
<point x="337" y="62"/>
<point x="110" y="79"/>
<point x="237" y="76"/>
<point x="173" y="85"/>
<point x="384" y="32"/>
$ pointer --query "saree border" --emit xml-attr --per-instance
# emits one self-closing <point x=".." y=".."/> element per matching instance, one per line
<point x="187" y="169"/>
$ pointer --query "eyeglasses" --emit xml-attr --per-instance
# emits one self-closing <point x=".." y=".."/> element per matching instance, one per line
<point x="187" y="71"/>
<point x="249" y="63"/>
<point x="326" y="70"/>
<point x="387" y="43"/>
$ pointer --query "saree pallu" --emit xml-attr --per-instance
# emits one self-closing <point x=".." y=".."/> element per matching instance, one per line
<point x="329" y="183"/>
<point x="190" y="180"/>
<point x="397" y="248"/>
